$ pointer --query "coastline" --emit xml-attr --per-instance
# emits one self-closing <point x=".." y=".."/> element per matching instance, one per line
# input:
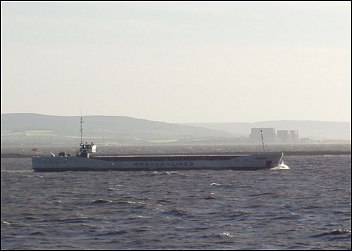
<point x="179" y="149"/>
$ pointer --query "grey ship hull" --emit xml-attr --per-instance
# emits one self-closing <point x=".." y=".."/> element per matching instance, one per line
<point x="157" y="162"/>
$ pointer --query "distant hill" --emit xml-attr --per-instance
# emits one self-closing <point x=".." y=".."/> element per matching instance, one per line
<point x="310" y="129"/>
<point x="27" y="129"/>
<point x="46" y="129"/>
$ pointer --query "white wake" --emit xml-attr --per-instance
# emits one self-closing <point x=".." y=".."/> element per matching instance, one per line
<point x="282" y="166"/>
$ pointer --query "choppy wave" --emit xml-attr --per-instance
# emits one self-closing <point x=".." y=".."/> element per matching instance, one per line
<point x="297" y="209"/>
<point x="100" y="201"/>
<point x="336" y="232"/>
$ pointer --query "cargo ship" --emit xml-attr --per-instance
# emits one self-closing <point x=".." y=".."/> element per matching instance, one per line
<point x="87" y="160"/>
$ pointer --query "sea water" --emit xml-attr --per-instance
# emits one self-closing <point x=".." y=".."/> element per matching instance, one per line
<point x="303" y="204"/>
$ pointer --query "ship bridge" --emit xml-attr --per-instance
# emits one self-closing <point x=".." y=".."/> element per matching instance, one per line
<point x="86" y="148"/>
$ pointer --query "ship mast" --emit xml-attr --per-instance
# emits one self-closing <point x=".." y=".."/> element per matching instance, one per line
<point x="261" y="134"/>
<point x="81" y="130"/>
<point x="86" y="148"/>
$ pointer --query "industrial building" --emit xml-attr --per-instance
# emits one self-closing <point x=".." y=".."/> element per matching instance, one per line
<point x="271" y="136"/>
<point x="287" y="136"/>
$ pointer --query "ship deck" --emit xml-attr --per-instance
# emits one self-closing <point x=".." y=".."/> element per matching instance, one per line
<point x="168" y="157"/>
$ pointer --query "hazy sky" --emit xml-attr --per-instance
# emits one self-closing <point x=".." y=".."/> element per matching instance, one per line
<point x="178" y="61"/>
